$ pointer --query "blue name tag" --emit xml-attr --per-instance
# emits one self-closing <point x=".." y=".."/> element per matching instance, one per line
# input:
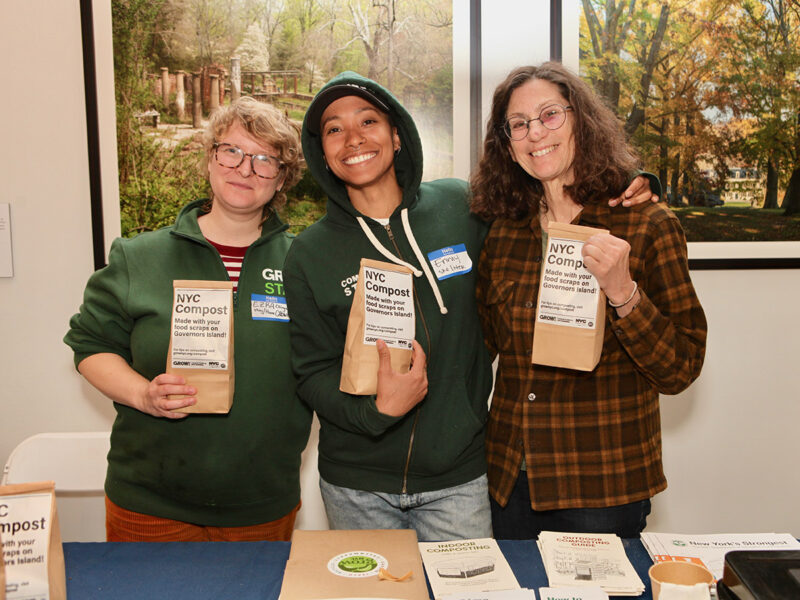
<point x="269" y="308"/>
<point x="450" y="261"/>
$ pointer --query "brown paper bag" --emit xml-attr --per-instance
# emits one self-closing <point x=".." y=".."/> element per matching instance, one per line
<point x="201" y="342"/>
<point x="383" y="308"/>
<point x="571" y="311"/>
<point x="349" y="564"/>
<point x="31" y="541"/>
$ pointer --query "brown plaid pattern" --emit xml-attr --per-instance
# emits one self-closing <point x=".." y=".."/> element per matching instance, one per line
<point x="589" y="439"/>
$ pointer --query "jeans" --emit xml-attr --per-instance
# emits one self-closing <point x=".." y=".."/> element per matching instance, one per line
<point x="459" y="512"/>
<point x="518" y="521"/>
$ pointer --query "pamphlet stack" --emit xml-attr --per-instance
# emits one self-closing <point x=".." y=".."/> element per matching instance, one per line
<point x="583" y="559"/>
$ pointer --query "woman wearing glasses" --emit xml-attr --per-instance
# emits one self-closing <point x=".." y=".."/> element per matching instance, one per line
<point x="570" y="450"/>
<point x="173" y="477"/>
<point x="412" y="455"/>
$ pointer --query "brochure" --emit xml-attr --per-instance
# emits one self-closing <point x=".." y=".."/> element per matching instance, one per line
<point x="583" y="559"/>
<point x="521" y="594"/>
<point x="709" y="550"/>
<point x="463" y="567"/>
<point x="572" y="593"/>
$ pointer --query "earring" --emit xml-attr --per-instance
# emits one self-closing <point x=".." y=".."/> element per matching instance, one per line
<point x="397" y="151"/>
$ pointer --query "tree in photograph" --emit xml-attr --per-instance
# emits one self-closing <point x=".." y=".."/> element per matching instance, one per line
<point x="253" y="52"/>
<point x="759" y="79"/>
<point x="650" y="61"/>
<point x="371" y="33"/>
<point x="133" y="24"/>
<point x="617" y="30"/>
<point x="270" y="16"/>
<point x="679" y="122"/>
<point x="155" y="179"/>
<point x="213" y="28"/>
<point x="295" y="45"/>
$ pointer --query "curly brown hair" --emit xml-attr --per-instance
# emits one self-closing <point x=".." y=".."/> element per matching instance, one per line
<point x="603" y="164"/>
<point x="267" y="125"/>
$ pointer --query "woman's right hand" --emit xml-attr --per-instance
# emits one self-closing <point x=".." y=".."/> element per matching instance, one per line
<point x="155" y="397"/>
<point x="398" y="393"/>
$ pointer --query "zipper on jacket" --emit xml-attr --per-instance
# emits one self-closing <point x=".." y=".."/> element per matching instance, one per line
<point x="228" y="277"/>
<point x="388" y="229"/>
<point x="241" y="276"/>
<point x="410" y="446"/>
<point x="427" y="334"/>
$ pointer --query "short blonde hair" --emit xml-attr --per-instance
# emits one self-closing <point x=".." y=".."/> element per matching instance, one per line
<point x="267" y="125"/>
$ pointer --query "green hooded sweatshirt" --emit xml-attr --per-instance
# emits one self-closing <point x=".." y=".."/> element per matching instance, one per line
<point x="439" y="444"/>
<point x="229" y="470"/>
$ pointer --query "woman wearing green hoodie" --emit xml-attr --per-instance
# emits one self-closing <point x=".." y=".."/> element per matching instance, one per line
<point x="173" y="477"/>
<point x="411" y="456"/>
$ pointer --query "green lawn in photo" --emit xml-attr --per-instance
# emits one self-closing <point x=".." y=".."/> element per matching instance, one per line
<point x="732" y="223"/>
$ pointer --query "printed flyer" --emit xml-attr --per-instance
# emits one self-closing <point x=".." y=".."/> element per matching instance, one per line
<point x="201" y="326"/>
<point x="388" y="307"/>
<point x="569" y="293"/>
<point x="201" y="343"/>
<point x="463" y="566"/>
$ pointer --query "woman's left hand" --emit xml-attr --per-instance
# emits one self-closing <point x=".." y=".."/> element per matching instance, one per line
<point x="606" y="257"/>
<point x="637" y="193"/>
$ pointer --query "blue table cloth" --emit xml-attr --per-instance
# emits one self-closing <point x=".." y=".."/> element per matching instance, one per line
<point x="240" y="570"/>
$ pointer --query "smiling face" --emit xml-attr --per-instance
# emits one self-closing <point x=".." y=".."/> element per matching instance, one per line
<point x="237" y="190"/>
<point x="544" y="154"/>
<point x="359" y="143"/>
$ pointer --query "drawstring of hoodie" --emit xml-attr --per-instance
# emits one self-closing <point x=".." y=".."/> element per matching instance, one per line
<point x="417" y="252"/>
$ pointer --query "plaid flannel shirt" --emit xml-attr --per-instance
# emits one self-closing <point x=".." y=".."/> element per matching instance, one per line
<point x="590" y="439"/>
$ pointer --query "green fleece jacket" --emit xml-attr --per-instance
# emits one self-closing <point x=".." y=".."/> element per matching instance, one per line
<point x="440" y="443"/>
<point x="221" y="470"/>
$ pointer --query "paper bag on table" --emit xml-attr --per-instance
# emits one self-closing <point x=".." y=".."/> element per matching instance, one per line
<point x="347" y="564"/>
<point x="382" y="309"/>
<point x="201" y="342"/>
<point x="571" y="311"/>
<point x="32" y="562"/>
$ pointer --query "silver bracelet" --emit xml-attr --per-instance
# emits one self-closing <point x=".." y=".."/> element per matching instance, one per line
<point x="633" y="293"/>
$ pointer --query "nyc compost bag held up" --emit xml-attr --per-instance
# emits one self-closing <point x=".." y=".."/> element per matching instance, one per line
<point x="201" y="342"/>
<point x="571" y="312"/>
<point x="382" y="309"/>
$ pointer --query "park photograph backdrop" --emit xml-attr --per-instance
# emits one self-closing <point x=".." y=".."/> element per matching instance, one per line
<point x="707" y="90"/>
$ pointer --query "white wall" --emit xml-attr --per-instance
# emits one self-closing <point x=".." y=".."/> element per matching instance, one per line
<point x="730" y="450"/>
<point x="728" y="441"/>
<point x="45" y="179"/>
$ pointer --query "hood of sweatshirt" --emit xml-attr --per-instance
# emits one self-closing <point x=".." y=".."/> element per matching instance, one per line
<point x="408" y="162"/>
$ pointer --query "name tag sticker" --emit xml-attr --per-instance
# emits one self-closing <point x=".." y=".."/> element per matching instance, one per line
<point x="450" y="261"/>
<point x="269" y="308"/>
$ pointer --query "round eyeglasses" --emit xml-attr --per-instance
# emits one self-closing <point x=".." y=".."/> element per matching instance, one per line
<point x="228" y="155"/>
<point x="551" y="117"/>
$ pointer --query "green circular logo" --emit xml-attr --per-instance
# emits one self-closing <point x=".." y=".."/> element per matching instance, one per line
<point x="358" y="564"/>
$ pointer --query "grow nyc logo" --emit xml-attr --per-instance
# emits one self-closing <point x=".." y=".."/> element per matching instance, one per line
<point x="273" y="282"/>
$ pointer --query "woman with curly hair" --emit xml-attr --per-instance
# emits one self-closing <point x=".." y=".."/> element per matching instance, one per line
<point x="203" y="477"/>
<point x="570" y="450"/>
